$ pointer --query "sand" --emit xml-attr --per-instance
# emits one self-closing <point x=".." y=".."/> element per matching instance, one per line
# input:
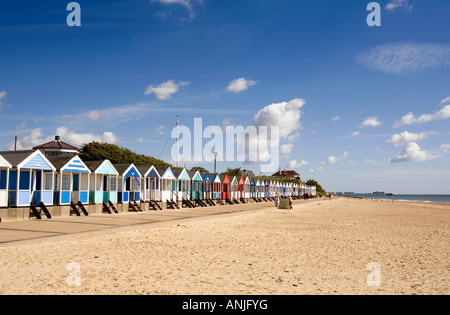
<point x="323" y="247"/>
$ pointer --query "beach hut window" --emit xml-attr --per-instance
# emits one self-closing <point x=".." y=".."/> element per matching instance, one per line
<point x="99" y="181"/>
<point x="24" y="180"/>
<point x="134" y="184"/>
<point x="66" y="182"/>
<point x="3" y="175"/>
<point x="48" y="181"/>
<point x="120" y="185"/>
<point x="112" y="184"/>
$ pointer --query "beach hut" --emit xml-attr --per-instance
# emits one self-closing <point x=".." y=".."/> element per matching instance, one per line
<point x="247" y="188"/>
<point x="234" y="188"/>
<point x="266" y="188"/>
<point x="196" y="185"/>
<point x="217" y="187"/>
<point x="129" y="183"/>
<point x="207" y="186"/>
<point x="72" y="180"/>
<point x="145" y="182"/>
<point x="241" y="184"/>
<point x="168" y="184"/>
<point x="5" y="166"/>
<point x="258" y="189"/>
<point x="183" y="188"/>
<point x="252" y="188"/>
<point x="226" y="187"/>
<point x="30" y="178"/>
<point x="103" y="181"/>
<point x="154" y="184"/>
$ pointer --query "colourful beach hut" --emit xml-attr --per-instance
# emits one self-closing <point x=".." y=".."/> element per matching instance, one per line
<point x="207" y="186"/>
<point x="258" y="189"/>
<point x="252" y="188"/>
<point x="266" y="188"/>
<point x="183" y="188"/>
<point x="5" y="166"/>
<point x="154" y="184"/>
<point x="72" y="180"/>
<point x="103" y="181"/>
<point x="234" y="188"/>
<point x="247" y="188"/>
<point x="168" y="184"/>
<point x="226" y="187"/>
<point x="217" y="187"/>
<point x="241" y="184"/>
<point x="30" y="178"/>
<point x="196" y="185"/>
<point x="129" y="183"/>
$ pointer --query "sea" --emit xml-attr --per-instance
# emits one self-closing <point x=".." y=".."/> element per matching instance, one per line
<point x="421" y="198"/>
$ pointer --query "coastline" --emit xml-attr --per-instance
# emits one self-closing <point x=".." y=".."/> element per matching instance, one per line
<point x="323" y="247"/>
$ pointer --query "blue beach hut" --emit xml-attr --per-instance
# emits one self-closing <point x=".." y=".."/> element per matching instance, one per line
<point x="30" y="180"/>
<point x="129" y="183"/>
<point x="71" y="180"/>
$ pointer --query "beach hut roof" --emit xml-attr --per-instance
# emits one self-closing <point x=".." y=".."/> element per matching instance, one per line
<point x="206" y="177"/>
<point x="252" y="181"/>
<point x="195" y="175"/>
<point x="58" y="145"/>
<point x="217" y="178"/>
<point x="225" y="179"/>
<point x="166" y="173"/>
<point x="102" y="167"/>
<point x="72" y="164"/>
<point x="28" y="159"/>
<point x="4" y="162"/>
<point x="181" y="174"/>
<point x="144" y="169"/>
<point x="234" y="181"/>
<point x="247" y="181"/>
<point x="241" y="180"/>
<point x="127" y="170"/>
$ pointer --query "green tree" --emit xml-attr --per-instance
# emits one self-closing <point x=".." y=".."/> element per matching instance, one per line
<point x="96" y="151"/>
<point x="233" y="172"/>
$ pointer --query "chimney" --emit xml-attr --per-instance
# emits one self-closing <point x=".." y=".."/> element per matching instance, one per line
<point x="15" y="143"/>
<point x="57" y="138"/>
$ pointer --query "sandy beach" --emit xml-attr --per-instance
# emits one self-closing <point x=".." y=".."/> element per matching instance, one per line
<point x="322" y="247"/>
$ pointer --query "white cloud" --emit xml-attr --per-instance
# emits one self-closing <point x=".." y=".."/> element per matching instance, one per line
<point x="293" y="137"/>
<point x="373" y="162"/>
<point x="72" y="137"/>
<point x="413" y="152"/>
<point x="285" y="115"/>
<point x="406" y="137"/>
<point x="398" y="4"/>
<point x="404" y="59"/>
<point x="286" y="149"/>
<point x="188" y="4"/>
<point x="296" y="165"/>
<point x="165" y="90"/>
<point x="93" y="115"/>
<point x="159" y="130"/>
<point x="2" y="96"/>
<point x="334" y="160"/>
<point x="445" y="147"/>
<point x="445" y="101"/>
<point x="370" y="122"/>
<point x="239" y="85"/>
<point x="355" y="134"/>
<point x="336" y="118"/>
<point x="411" y="119"/>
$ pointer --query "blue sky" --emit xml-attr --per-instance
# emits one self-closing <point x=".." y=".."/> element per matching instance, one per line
<point x="375" y="100"/>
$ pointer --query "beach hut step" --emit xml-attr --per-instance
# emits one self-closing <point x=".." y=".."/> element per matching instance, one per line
<point x="111" y="206"/>
<point x="105" y="208"/>
<point x="135" y="207"/>
<point x="74" y="209"/>
<point x="36" y="213"/>
<point x="82" y="208"/>
<point x="229" y="202"/>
